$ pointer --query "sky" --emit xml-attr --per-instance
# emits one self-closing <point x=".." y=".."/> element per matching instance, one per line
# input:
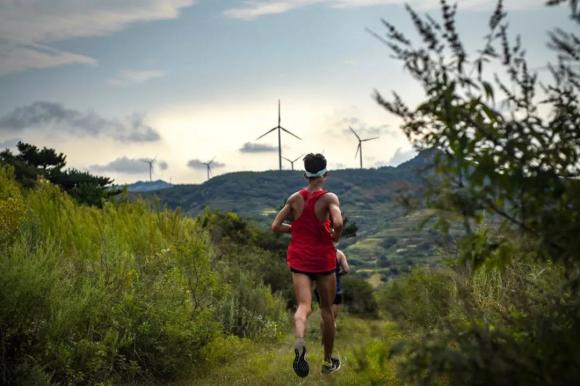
<point x="115" y="83"/>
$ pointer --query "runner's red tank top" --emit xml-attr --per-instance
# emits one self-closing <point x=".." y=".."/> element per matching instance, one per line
<point x="311" y="249"/>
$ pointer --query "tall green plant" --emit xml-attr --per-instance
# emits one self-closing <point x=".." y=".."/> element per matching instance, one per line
<point x="107" y="295"/>
<point x="499" y="153"/>
<point x="507" y="165"/>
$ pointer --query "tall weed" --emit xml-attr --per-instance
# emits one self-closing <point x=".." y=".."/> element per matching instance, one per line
<point x="121" y="293"/>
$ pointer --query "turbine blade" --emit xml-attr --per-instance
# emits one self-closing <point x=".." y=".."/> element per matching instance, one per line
<point x="357" y="150"/>
<point x="354" y="132"/>
<point x="287" y="159"/>
<point x="369" y="139"/>
<point x="291" y="133"/>
<point x="266" y="133"/>
<point x="298" y="158"/>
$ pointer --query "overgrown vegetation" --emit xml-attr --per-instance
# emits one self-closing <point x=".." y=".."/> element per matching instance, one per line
<point x="126" y="292"/>
<point x="507" y="311"/>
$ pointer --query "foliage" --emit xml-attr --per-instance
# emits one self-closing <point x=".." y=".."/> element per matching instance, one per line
<point x="33" y="163"/>
<point x="126" y="292"/>
<point x="12" y="208"/>
<point x="420" y="299"/>
<point x="511" y="327"/>
<point x="507" y="168"/>
<point x="358" y="297"/>
<point x="242" y="245"/>
<point x="515" y="162"/>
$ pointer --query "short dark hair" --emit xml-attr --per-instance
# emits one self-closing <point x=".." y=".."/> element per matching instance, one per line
<point x="313" y="163"/>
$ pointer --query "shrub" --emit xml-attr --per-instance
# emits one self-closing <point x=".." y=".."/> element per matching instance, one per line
<point x="115" y="294"/>
<point x="358" y="297"/>
<point x="421" y="298"/>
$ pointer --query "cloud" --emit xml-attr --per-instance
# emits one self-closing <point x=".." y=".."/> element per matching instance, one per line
<point x="362" y="129"/>
<point x="198" y="164"/>
<point x="129" y="166"/>
<point x="15" y="57"/>
<point x="48" y="116"/>
<point x="131" y="77"/>
<point x="28" y="27"/>
<point x="401" y="155"/>
<point x="257" y="148"/>
<point x="253" y="9"/>
<point x="162" y="165"/>
<point x="9" y="143"/>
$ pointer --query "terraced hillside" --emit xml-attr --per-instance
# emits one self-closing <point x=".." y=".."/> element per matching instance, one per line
<point x="388" y="239"/>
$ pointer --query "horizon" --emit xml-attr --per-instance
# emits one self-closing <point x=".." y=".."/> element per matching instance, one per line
<point x="144" y="181"/>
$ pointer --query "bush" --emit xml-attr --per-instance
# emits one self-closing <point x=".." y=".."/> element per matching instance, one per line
<point x="241" y="245"/>
<point x="510" y="327"/>
<point x="115" y="294"/>
<point x="421" y="298"/>
<point x="359" y="297"/>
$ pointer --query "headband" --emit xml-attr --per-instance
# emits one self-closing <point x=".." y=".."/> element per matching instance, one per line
<point x="319" y="173"/>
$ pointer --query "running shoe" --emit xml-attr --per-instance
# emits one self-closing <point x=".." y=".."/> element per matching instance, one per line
<point x="332" y="366"/>
<point x="300" y="365"/>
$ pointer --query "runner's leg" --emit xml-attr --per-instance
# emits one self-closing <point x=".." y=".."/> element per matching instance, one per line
<point x="303" y="291"/>
<point x="326" y="285"/>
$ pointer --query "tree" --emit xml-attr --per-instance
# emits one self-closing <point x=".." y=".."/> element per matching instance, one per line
<point x="32" y="163"/>
<point x="507" y="159"/>
<point x="500" y="157"/>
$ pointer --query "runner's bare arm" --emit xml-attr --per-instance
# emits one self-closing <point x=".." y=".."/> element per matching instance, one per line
<point x="343" y="262"/>
<point x="278" y="223"/>
<point x="335" y="215"/>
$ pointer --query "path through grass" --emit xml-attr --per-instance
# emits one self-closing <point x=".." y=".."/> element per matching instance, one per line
<point x="359" y="343"/>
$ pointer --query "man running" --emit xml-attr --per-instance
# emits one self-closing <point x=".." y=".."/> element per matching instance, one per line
<point x="312" y="257"/>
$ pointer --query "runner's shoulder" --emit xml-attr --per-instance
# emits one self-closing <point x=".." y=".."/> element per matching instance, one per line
<point x="293" y="197"/>
<point x="331" y="197"/>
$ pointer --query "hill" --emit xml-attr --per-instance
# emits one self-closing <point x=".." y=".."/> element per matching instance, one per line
<point x="148" y="186"/>
<point x="388" y="239"/>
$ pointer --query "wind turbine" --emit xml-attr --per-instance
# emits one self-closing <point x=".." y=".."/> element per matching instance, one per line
<point x="280" y="129"/>
<point x="150" y="162"/>
<point x="359" y="147"/>
<point x="292" y="161"/>
<point x="208" y="166"/>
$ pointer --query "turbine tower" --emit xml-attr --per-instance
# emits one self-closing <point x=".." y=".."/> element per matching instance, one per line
<point x="280" y="129"/>
<point x="359" y="147"/>
<point x="208" y="166"/>
<point x="292" y="161"/>
<point x="150" y="162"/>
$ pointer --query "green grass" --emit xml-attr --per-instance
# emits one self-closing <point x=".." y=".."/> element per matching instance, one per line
<point x="357" y="340"/>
